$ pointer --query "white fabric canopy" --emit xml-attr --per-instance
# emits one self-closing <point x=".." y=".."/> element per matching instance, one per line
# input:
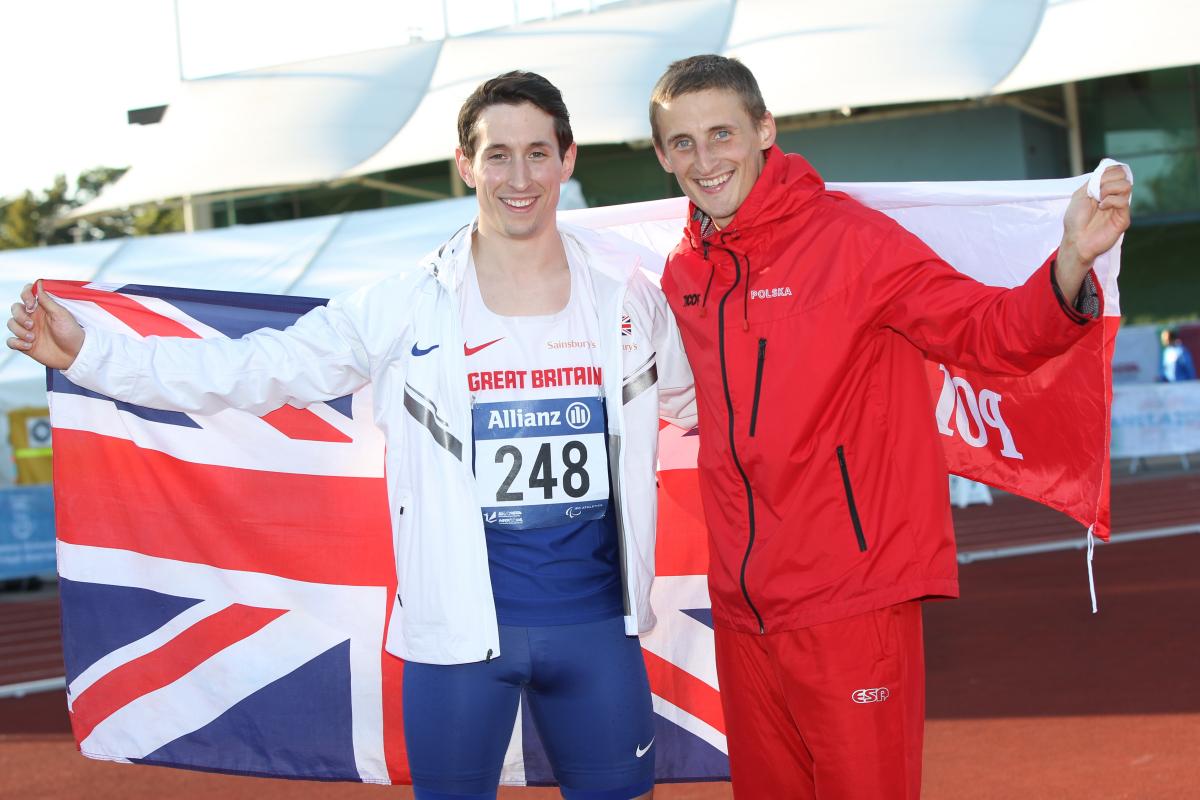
<point x="294" y="124"/>
<point x="1081" y="39"/>
<point x="605" y="65"/>
<point x="814" y="55"/>
<point x="333" y="118"/>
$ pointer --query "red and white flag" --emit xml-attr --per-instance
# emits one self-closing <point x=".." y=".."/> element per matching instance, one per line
<point x="1044" y="436"/>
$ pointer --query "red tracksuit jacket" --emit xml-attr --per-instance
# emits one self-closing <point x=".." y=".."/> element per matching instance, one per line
<point x="807" y="321"/>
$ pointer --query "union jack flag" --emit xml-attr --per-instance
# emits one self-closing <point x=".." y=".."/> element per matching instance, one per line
<point x="226" y="579"/>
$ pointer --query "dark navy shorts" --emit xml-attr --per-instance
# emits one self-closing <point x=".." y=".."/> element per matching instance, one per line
<point x="585" y="690"/>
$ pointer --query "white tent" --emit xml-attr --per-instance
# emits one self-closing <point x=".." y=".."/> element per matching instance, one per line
<point x="344" y="117"/>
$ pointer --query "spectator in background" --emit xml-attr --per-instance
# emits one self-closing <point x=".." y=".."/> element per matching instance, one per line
<point x="1177" y="363"/>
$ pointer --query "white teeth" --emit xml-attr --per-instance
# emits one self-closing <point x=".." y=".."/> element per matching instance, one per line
<point x="520" y="203"/>
<point x="711" y="183"/>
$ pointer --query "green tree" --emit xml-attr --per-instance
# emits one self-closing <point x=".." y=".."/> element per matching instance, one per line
<point x="18" y="222"/>
<point x="33" y="220"/>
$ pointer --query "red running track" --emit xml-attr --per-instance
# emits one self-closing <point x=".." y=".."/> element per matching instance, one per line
<point x="1030" y="695"/>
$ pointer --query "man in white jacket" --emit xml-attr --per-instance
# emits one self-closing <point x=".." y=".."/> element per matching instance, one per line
<point x="518" y="374"/>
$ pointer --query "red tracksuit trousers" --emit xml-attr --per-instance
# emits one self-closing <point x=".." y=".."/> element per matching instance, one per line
<point x="830" y="712"/>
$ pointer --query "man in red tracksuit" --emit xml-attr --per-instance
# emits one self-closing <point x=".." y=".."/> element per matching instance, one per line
<point x="807" y="318"/>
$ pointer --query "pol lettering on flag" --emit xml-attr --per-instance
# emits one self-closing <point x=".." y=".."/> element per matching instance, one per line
<point x="225" y="579"/>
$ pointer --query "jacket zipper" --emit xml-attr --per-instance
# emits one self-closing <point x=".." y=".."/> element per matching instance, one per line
<point x="758" y="376"/>
<point x="858" y="530"/>
<point x="737" y="278"/>
<point x="399" y="599"/>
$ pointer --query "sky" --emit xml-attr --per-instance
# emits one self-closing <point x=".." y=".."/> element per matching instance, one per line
<point x="73" y="68"/>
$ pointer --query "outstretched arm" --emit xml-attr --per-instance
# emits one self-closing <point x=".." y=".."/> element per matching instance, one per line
<point x="953" y="318"/>
<point x="321" y="356"/>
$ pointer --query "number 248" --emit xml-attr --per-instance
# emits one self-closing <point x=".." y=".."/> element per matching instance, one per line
<point x="575" y="480"/>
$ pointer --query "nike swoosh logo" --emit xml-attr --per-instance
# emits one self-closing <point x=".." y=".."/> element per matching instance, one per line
<point x="416" y="351"/>
<point x="641" y="751"/>
<point x="470" y="351"/>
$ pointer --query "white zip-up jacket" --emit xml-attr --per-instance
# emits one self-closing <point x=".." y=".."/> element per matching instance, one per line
<point x="443" y="612"/>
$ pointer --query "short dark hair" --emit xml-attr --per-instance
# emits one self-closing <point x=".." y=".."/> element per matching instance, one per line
<point x="698" y="73"/>
<point x="513" y="89"/>
<point x="1172" y="335"/>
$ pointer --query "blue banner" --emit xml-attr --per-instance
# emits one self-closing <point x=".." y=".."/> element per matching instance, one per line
<point x="26" y="531"/>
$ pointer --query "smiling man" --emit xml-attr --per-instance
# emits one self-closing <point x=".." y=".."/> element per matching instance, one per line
<point x="807" y="318"/>
<point x="518" y="373"/>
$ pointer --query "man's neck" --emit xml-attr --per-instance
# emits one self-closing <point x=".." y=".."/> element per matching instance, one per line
<point x="521" y="277"/>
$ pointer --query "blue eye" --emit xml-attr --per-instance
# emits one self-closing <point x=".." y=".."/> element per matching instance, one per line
<point x="683" y="144"/>
<point x="722" y="135"/>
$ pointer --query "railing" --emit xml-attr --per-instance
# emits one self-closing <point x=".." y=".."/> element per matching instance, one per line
<point x="26" y="531"/>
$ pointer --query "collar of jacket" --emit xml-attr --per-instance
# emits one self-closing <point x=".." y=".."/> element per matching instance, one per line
<point x="608" y="254"/>
<point x="785" y="186"/>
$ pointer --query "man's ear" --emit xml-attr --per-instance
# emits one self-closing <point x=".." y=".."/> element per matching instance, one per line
<point x="464" y="167"/>
<point x="568" y="163"/>
<point x="662" y="159"/>
<point x="766" y="131"/>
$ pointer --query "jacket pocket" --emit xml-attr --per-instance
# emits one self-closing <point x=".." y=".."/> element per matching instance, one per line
<point x="854" y="518"/>
<point x="758" y="378"/>
<point x="400" y="524"/>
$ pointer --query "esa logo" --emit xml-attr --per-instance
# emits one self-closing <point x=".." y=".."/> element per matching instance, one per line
<point x="691" y="299"/>
<point x="870" y="695"/>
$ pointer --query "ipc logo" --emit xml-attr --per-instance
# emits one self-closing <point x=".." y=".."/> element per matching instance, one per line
<point x="578" y="415"/>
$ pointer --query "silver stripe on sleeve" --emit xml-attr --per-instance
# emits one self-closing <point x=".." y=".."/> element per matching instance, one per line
<point x="426" y="416"/>
<point x="640" y="382"/>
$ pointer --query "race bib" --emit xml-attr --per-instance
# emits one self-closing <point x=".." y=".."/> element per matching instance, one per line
<point x="541" y="462"/>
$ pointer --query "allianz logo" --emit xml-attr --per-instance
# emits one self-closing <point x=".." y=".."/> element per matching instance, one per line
<point x="870" y="695"/>
<point x="520" y="418"/>
<point x="578" y="416"/>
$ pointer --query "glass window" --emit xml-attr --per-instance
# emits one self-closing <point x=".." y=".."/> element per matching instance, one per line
<point x="1164" y="183"/>
<point x="1150" y="121"/>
